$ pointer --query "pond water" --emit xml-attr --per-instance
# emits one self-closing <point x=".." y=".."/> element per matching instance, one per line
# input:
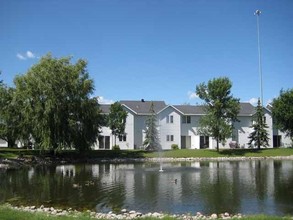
<point x="247" y="187"/>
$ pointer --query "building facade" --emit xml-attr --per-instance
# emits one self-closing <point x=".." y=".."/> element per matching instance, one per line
<point x="178" y="124"/>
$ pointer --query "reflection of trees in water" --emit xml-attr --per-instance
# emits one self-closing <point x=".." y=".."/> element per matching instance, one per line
<point x="50" y="188"/>
<point x="219" y="192"/>
<point x="261" y="180"/>
<point x="283" y="187"/>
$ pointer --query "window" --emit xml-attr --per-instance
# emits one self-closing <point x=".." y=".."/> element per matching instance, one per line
<point x="170" y="137"/>
<point x="186" y="119"/>
<point x="122" y="137"/>
<point x="170" y="119"/>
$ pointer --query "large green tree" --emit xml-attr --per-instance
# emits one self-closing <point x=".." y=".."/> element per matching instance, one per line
<point x="56" y="104"/>
<point x="10" y="119"/>
<point x="221" y="109"/>
<point x="117" y="119"/>
<point x="283" y="112"/>
<point x="151" y="141"/>
<point x="259" y="136"/>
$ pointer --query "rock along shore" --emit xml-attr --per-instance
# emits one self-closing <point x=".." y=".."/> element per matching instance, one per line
<point x="123" y="214"/>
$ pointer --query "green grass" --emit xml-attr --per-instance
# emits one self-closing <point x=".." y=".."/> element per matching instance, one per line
<point x="7" y="213"/>
<point x="184" y="153"/>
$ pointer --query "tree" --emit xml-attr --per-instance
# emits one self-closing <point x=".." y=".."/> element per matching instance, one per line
<point x="259" y="136"/>
<point x="56" y="104"/>
<point x="117" y="119"/>
<point x="283" y="112"/>
<point x="221" y="109"/>
<point x="151" y="141"/>
<point x="9" y="116"/>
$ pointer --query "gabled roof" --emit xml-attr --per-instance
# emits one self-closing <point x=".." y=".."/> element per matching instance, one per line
<point x="246" y="109"/>
<point x="105" y="108"/>
<point x="143" y="107"/>
<point x="190" y="109"/>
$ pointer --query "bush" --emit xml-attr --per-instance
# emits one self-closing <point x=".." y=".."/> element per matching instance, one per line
<point x="174" y="147"/>
<point x="116" y="147"/>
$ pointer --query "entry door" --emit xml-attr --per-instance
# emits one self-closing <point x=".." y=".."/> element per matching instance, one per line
<point x="204" y="142"/>
<point x="183" y="142"/>
<point x="104" y="142"/>
<point x="107" y="142"/>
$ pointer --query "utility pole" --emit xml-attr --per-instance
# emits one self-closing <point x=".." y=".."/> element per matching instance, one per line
<point x="257" y="14"/>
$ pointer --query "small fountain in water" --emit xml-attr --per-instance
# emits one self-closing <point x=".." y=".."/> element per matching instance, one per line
<point x="160" y="160"/>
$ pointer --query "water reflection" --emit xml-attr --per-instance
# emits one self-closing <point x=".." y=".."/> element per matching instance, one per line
<point x="246" y="187"/>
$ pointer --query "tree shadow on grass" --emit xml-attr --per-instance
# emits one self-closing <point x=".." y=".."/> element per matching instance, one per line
<point x="239" y="152"/>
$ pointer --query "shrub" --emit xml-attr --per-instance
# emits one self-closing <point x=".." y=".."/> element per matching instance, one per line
<point x="116" y="147"/>
<point x="174" y="147"/>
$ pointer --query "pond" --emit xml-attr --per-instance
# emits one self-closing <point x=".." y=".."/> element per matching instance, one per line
<point x="247" y="187"/>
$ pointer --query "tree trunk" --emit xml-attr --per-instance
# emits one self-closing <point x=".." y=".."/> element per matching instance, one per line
<point x="217" y="144"/>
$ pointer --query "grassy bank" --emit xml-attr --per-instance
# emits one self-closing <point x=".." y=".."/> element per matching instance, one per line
<point x="184" y="153"/>
<point x="7" y="213"/>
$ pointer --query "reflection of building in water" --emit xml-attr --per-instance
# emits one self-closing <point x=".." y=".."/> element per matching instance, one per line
<point x="31" y="173"/>
<point x="66" y="170"/>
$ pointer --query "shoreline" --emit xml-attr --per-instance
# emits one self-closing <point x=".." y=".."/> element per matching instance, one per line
<point x="122" y="214"/>
<point x="37" y="161"/>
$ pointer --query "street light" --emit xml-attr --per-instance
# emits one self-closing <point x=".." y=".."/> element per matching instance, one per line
<point x="257" y="14"/>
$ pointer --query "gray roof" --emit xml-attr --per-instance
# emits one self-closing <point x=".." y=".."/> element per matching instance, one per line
<point x="143" y="107"/>
<point x="105" y="108"/>
<point x="245" y="109"/>
<point x="190" y="109"/>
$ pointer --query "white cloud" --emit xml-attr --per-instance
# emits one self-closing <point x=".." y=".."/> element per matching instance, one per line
<point x="27" y="55"/>
<point x="253" y="101"/>
<point x="192" y="95"/>
<point x="21" y="57"/>
<point x="102" y="100"/>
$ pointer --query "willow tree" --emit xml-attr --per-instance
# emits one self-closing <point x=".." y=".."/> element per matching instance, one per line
<point x="221" y="109"/>
<point x="56" y="104"/>
<point x="9" y="116"/>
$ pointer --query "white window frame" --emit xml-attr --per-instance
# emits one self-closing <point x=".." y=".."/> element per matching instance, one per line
<point x="170" y="119"/>
<point x="170" y="137"/>
<point x="186" y="119"/>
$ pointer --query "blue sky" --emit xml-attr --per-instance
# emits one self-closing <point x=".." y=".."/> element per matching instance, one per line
<point x="155" y="49"/>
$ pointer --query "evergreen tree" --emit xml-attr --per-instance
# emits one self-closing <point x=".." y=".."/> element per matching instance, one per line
<point x="259" y="136"/>
<point x="151" y="141"/>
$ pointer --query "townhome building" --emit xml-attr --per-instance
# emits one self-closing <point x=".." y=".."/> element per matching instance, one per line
<point x="178" y="124"/>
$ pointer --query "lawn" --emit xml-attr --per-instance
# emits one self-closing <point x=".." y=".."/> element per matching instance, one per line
<point x="184" y="153"/>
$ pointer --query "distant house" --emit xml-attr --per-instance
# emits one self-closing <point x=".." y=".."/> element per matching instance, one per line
<point x="178" y="124"/>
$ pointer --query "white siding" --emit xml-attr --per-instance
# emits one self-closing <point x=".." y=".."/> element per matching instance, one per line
<point x="139" y="130"/>
<point x="3" y="143"/>
<point x="169" y="128"/>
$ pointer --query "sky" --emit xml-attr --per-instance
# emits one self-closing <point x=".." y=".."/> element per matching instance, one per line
<point x="154" y="49"/>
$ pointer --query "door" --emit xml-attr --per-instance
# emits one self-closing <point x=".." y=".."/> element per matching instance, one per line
<point x="204" y="142"/>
